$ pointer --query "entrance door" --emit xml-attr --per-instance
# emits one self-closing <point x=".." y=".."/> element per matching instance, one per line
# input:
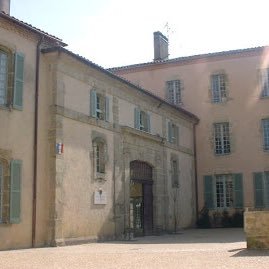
<point x="141" y="198"/>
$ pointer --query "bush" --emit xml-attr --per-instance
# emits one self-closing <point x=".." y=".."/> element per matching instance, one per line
<point x="204" y="219"/>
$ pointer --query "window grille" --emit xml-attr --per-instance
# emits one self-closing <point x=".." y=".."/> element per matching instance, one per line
<point x="218" y="88"/>
<point x="222" y="138"/>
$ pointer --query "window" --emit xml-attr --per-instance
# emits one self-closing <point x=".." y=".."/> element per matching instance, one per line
<point x="99" y="157"/>
<point x="174" y="92"/>
<point x="175" y="173"/>
<point x="223" y="191"/>
<point x="99" y="106"/>
<point x="265" y="82"/>
<point x="11" y="79"/>
<point x="172" y="135"/>
<point x="261" y="189"/>
<point x="265" y="128"/>
<point x="222" y="138"/>
<point x="142" y="120"/>
<point x="218" y="88"/>
<point x="10" y="191"/>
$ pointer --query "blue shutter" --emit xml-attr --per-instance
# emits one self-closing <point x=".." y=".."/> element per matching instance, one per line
<point x="238" y="191"/>
<point x="15" y="191"/>
<point x="93" y="103"/>
<point x="137" y="118"/>
<point x="107" y="109"/>
<point x="148" y="123"/>
<point x="18" y="81"/>
<point x="258" y="190"/>
<point x="208" y="192"/>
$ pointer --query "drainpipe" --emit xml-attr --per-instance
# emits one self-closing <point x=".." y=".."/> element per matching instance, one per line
<point x="195" y="170"/>
<point x="35" y="140"/>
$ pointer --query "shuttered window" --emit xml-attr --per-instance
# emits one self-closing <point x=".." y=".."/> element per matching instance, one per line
<point x="223" y="191"/>
<point x="175" y="173"/>
<point x="15" y="191"/>
<point x="11" y="93"/>
<point x="99" y="106"/>
<point x="142" y="120"/>
<point x="173" y="88"/>
<point x="172" y="133"/>
<point x="265" y="82"/>
<point x="265" y="128"/>
<point x="261" y="189"/>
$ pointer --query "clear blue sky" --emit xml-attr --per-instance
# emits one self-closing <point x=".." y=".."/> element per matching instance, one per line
<point x="120" y="32"/>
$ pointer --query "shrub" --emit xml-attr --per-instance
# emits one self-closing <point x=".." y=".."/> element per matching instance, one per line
<point x="204" y="219"/>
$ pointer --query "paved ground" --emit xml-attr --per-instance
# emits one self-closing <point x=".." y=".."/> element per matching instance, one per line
<point x="203" y="249"/>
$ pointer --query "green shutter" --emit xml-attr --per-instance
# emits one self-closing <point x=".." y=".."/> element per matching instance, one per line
<point x="137" y="118"/>
<point x="148" y="123"/>
<point x="93" y="103"/>
<point x="208" y="192"/>
<point x="266" y="189"/>
<point x="15" y="191"/>
<point x="107" y="109"/>
<point x="18" y="81"/>
<point x="177" y="135"/>
<point x="238" y="191"/>
<point x="258" y="190"/>
<point x="169" y="131"/>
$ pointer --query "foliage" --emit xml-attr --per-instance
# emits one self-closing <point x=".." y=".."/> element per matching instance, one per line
<point x="204" y="219"/>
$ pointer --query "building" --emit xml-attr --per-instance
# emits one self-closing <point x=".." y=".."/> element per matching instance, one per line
<point x="229" y="92"/>
<point x="85" y="154"/>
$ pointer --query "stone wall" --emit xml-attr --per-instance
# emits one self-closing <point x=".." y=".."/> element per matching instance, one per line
<point x="256" y="225"/>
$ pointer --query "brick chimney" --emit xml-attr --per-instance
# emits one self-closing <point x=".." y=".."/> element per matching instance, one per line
<point x="5" y="6"/>
<point x="160" y="46"/>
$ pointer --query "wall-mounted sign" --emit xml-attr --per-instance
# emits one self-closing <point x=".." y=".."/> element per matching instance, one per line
<point x="59" y="148"/>
<point x="100" y="198"/>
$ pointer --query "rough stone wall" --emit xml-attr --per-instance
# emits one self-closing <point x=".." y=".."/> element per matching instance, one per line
<point x="256" y="225"/>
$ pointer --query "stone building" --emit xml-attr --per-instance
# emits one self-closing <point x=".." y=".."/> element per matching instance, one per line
<point x="85" y="154"/>
<point x="229" y="92"/>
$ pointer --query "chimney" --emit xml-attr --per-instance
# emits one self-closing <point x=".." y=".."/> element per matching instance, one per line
<point x="5" y="6"/>
<point x="160" y="46"/>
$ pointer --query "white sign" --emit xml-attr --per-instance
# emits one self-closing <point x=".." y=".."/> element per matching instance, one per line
<point x="100" y="198"/>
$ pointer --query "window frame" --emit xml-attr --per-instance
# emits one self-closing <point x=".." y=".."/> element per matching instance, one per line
<point x="142" y="120"/>
<point x="173" y="89"/>
<point x="218" y="88"/>
<point x="5" y="95"/>
<point x="174" y="172"/>
<point x="264" y="82"/>
<point x="99" y="157"/>
<point x="265" y="134"/>
<point x="228" y="193"/>
<point x="222" y="138"/>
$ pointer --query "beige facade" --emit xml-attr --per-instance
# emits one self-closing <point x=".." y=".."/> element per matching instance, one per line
<point x="84" y="154"/>
<point x="239" y="98"/>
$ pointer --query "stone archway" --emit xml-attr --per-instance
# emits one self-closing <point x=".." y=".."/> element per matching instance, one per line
<point x="141" y="198"/>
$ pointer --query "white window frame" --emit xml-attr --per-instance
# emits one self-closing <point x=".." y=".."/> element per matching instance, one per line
<point x="225" y="198"/>
<point x="3" y="77"/>
<point x="265" y="83"/>
<point x="218" y="88"/>
<point x="174" y="91"/>
<point x="222" y="139"/>
<point x="265" y="130"/>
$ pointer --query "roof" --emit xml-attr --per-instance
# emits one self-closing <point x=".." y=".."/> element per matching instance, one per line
<point x="121" y="79"/>
<point x="186" y="59"/>
<point x="31" y="28"/>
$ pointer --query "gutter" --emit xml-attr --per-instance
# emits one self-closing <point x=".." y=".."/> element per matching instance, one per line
<point x="35" y="140"/>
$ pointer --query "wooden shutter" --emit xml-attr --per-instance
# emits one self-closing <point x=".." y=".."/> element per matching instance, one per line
<point x="107" y="108"/>
<point x="238" y="191"/>
<point x="258" y="190"/>
<point x="93" y="103"/>
<point x="208" y="192"/>
<point x="18" y="81"/>
<point x="15" y="191"/>
<point x="148" y="123"/>
<point x="177" y="135"/>
<point x="137" y="118"/>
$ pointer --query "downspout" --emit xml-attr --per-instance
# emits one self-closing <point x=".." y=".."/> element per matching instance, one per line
<point x="35" y="140"/>
<point x="195" y="170"/>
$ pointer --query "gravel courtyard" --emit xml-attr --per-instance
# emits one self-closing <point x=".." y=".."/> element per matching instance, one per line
<point x="214" y="248"/>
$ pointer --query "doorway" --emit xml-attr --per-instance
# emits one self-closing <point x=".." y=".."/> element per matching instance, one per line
<point x="141" y="198"/>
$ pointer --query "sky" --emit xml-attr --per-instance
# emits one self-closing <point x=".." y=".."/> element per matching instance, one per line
<point x="120" y="32"/>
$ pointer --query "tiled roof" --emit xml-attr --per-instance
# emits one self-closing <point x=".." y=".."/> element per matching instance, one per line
<point x="31" y="28"/>
<point x="190" y="58"/>
<point x="121" y="79"/>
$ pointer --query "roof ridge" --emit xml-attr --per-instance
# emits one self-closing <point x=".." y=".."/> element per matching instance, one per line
<point x="189" y="57"/>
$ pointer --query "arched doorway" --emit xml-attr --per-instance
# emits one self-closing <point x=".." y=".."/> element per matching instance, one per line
<point x="141" y="198"/>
